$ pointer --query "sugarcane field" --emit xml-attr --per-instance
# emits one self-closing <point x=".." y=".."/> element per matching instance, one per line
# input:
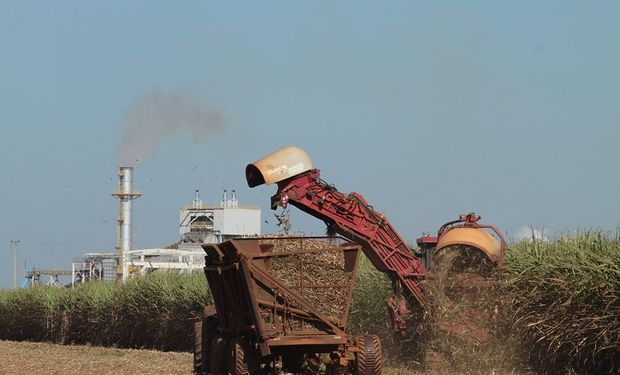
<point x="310" y="188"/>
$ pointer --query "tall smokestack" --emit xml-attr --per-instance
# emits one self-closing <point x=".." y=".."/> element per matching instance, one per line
<point x="125" y="195"/>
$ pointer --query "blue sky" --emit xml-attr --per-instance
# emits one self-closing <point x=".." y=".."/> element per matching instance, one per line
<point x="427" y="109"/>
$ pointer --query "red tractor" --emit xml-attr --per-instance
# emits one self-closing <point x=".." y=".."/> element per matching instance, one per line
<point x="349" y="215"/>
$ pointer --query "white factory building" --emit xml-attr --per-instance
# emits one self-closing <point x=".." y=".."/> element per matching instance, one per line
<point x="198" y="224"/>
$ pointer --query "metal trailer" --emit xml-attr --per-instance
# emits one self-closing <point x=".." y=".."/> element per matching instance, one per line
<point x="281" y="305"/>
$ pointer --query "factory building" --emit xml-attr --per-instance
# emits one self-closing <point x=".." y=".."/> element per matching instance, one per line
<point x="199" y="223"/>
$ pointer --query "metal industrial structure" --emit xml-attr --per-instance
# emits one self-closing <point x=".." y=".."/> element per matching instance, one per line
<point x="198" y="224"/>
<point x="275" y="308"/>
<point x="349" y="215"/>
<point x="34" y="276"/>
<point x="125" y="195"/>
<point x="94" y="267"/>
<point x="102" y="266"/>
<point x="14" y="244"/>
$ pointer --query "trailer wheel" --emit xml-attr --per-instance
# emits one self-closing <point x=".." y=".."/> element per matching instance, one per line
<point x="204" y="331"/>
<point x="311" y="364"/>
<point x="243" y="357"/>
<point x="218" y="357"/>
<point x="301" y="363"/>
<point x="293" y="362"/>
<point x="198" y="348"/>
<point x="369" y="360"/>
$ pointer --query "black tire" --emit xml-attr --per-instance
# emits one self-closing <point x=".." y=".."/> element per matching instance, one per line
<point x="198" y="347"/>
<point x="204" y="332"/>
<point x="218" y="355"/>
<point x="243" y="357"/>
<point x="369" y="360"/>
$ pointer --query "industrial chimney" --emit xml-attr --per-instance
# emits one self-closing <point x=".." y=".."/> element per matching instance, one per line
<point x="125" y="195"/>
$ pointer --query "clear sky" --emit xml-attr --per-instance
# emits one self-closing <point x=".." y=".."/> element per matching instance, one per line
<point x="428" y="109"/>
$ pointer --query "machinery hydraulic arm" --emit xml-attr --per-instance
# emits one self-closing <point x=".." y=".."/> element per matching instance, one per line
<point x="352" y="217"/>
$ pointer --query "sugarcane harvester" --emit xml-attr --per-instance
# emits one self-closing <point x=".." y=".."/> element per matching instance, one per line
<point x="349" y="215"/>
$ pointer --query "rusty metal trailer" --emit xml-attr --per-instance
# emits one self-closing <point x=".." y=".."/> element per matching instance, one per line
<point x="281" y="305"/>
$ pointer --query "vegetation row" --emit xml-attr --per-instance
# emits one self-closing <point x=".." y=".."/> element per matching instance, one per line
<point x="557" y="307"/>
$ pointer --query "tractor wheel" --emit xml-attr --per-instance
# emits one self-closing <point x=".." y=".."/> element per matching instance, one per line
<point x="369" y="360"/>
<point x="218" y="356"/>
<point x="243" y="357"/>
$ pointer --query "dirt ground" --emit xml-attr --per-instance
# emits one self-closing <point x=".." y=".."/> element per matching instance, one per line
<point x="44" y="358"/>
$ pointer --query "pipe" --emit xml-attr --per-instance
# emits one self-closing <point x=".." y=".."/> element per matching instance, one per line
<point x="126" y="182"/>
<point x="197" y="203"/>
<point x="126" y="195"/>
